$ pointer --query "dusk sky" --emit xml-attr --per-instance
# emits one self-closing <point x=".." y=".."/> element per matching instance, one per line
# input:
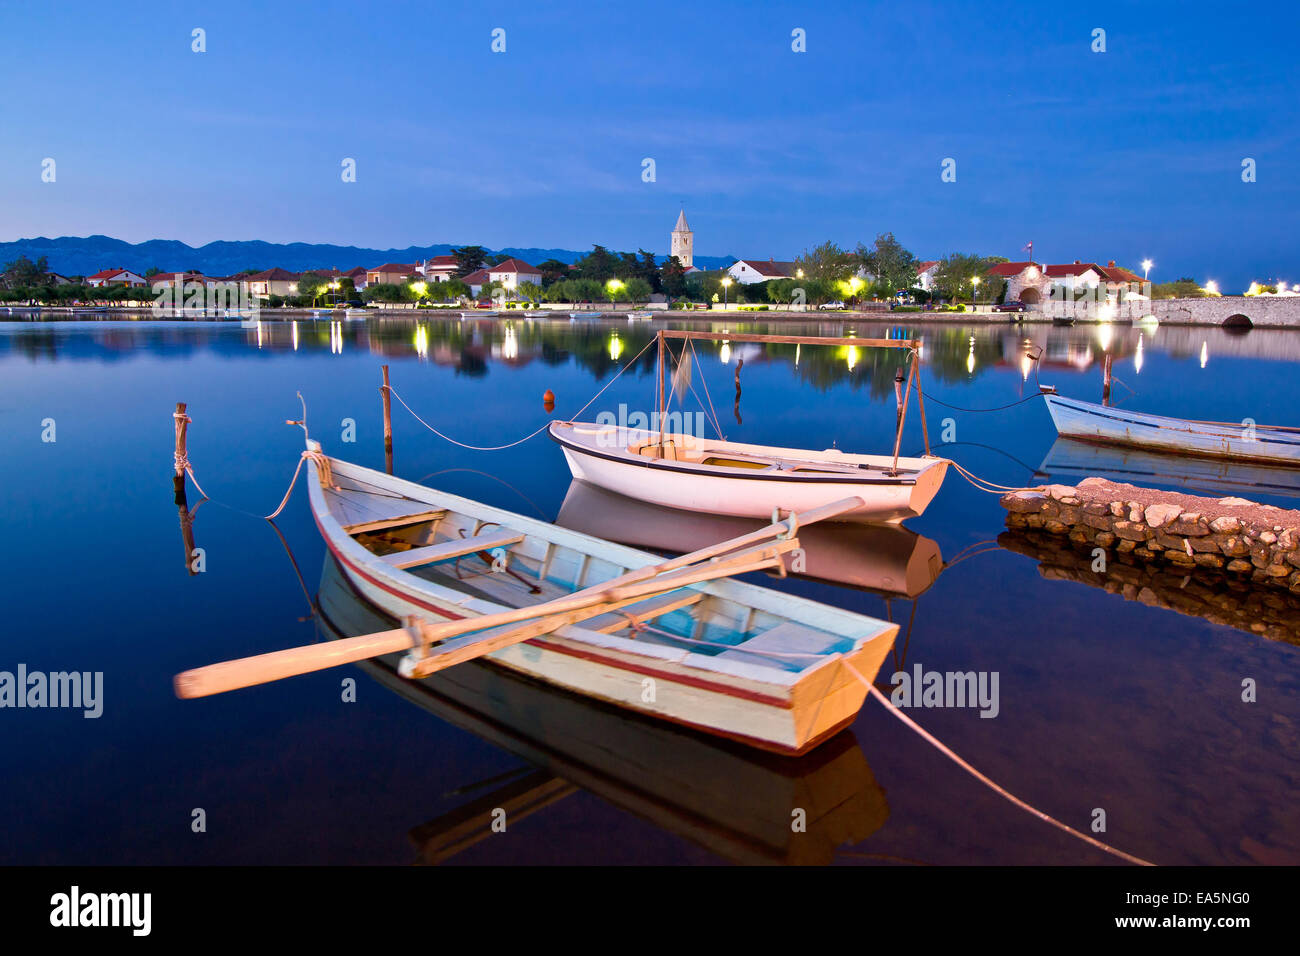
<point x="1125" y="154"/>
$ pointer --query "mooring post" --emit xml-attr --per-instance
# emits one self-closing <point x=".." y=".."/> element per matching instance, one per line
<point x="388" y="423"/>
<point x="179" y="457"/>
<point x="1105" y="381"/>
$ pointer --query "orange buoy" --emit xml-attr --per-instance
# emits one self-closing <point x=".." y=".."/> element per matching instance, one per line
<point x="548" y="400"/>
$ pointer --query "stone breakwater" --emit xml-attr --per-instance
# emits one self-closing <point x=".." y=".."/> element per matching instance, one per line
<point x="1237" y="537"/>
<point x="1230" y="600"/>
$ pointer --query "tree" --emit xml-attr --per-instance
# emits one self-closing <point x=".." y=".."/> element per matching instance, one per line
<point x="23" y="273"/>
<point x="552" y="270"/>
<point x="529" y="292"/>
<point x="888" y="262"/>
<point x="672" y="278"/>
<point x="649" y="270"/>
<point x="469" y="259"/>
<point x="599" y="264"/>
<point x="638" y="290"/>
<point x="953" y="274"/>
<point x="827" y="261"/>
<point x="311" y="286"/>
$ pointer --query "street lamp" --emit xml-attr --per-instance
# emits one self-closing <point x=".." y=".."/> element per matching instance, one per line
<point x="1146" y="268"/>
<point x="726" y="284"/>
<point x="611" y="289"/>
<point x="974" y="290"/>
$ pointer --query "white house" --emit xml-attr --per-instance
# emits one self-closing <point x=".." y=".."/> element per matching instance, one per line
<point x="925" y="272"/>
<point x="476" y="280"/>
<point x="109" y="277"/>
<point x="750" y="271"/>
<point x="512" y="272"/>
<point x="439" y="268"/>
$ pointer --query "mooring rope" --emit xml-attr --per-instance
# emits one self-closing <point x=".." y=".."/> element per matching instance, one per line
<point x="999" y="790"/>
<point x="911" y="725"/>
<point x="530" y="436"/>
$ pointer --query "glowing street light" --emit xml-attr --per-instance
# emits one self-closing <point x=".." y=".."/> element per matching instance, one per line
<point x="726" y="285"/>
<point x="612" y="288"/>
<point x="974" y="289"/>
<point x="419" y="288"/>
<point x="1212" y="287"/>
<point x="1146" y="268"/>
<point x="798" y="273"/>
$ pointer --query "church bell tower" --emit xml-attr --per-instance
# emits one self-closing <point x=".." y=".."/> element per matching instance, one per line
<point x="683" y="241"/>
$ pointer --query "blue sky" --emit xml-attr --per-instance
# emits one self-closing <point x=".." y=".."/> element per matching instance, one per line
<point x="1119" y="155"/>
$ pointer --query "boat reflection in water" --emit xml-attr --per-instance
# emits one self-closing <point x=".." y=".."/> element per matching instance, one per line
<point x="1069" y="461"/>
<point x="889" y="560"/>
<point x="734" y="801"/>
<point x="1269" y="612"/>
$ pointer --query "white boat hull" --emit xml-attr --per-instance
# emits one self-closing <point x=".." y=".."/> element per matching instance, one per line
<point x="1105" y="425"/>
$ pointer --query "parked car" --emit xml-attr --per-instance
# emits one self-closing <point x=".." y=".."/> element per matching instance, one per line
<point x="1010" y="307"/>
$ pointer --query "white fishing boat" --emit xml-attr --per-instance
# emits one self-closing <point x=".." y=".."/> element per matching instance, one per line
<point x="1107" y="425"/>
<point x="575" y="316"/>
<point x="717" y="476"/>
<point x="675" y="640"/>
<point x="536" y="314"/>
<point x="734" y="478"/>
<point x="640" y="315"/>
<point x="354" y="314"/>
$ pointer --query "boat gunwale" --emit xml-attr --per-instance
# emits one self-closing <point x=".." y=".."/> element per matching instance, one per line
<point x="717" y="471"/>
<point x="1167" y="423"/>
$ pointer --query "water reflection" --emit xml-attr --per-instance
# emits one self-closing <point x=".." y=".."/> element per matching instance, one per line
<point x="731" y="800"/>
<point x="1270" y="612"/>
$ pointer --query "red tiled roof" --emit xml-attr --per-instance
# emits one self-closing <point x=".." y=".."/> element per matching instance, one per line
<point x="441" y="261"/>
<point x="477" y="277"/>
<point x="273" y="275"/>
<point x="1071" y="269"/>
<point x="926" y="266"/>
<point x="1009" y="269"/>
<point x="771" y="268"/>
<point x="516" y="266"/>
<point x="1114" y="273"/>
<point x="108" y="273"/>
<point x="394" y="267"/>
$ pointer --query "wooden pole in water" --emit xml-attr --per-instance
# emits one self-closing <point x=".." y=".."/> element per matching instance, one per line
<point x="1105" y="381"/>
<point x="180" y="459"/>
<point x="388" y="423"/>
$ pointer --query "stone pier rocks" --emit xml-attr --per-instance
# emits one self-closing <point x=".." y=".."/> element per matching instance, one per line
<point x="1241" y="538"/>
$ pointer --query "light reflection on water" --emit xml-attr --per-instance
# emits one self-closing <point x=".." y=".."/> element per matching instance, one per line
<point x="1106" y="702"/>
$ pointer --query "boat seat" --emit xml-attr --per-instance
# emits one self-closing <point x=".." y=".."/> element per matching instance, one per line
<point x="460" y="547"/>
<point x="650" y="449"/>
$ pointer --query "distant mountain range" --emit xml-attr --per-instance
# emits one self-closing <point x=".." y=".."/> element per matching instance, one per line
<point x="70" y="255"/>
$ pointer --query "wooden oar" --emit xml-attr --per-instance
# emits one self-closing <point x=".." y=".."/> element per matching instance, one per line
<point x="262" y="668"/>
<point x="541" y="619"/>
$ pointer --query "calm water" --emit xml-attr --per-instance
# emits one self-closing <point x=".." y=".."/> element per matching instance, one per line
<point x="1104" y="702"/>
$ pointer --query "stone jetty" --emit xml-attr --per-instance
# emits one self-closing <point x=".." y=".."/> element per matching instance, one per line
<point x="1240" y="538"/>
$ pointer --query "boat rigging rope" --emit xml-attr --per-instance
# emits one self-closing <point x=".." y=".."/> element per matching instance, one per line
<point x="534" y="434"/>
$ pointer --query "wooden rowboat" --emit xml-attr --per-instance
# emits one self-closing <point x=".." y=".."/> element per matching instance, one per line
<point x="728" y="658"/>
<point x="734" y="801"/>
<point x="1106" y="425"/>
<point x="733" y="478"/>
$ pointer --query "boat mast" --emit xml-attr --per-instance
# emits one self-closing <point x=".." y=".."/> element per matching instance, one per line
<point x="662" y="372"/>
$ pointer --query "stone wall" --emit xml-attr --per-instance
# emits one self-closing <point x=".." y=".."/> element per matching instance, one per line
<point x="1233" y="536"/>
